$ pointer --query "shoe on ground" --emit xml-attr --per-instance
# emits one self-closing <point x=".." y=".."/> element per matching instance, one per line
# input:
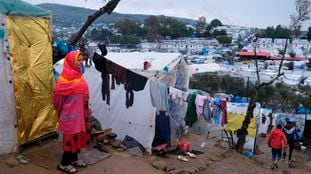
<point x="182" y="158"/>
<point x="102" y="148"/>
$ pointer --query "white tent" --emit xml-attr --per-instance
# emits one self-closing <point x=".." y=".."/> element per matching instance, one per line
<point x="137" y="121"/>
<point x="204" y="68"/>
<point x="26" y="79"/>
<point x="8" y="133"/>
<point x="239" y="110"/>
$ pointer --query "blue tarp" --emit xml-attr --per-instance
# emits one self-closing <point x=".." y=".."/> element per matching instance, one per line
<point x="303" y="110"/>
<point x="203" y="52"/>
<point x="238" y="99"/>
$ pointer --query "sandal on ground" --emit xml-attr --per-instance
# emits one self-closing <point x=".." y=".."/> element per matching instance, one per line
<point x="80" y="163"/>
<point x="69" y="169"/>
<point x="182" y="158"/>
<point x="191" y="155"/>
<point x="276" y="165"/>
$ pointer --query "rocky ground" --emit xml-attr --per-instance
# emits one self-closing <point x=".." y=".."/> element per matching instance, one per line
<point x="217" y="158"/>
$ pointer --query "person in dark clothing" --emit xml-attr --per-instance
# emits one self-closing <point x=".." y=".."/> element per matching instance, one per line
<point x="103" y="49"/>
<point x="291" y="136"/>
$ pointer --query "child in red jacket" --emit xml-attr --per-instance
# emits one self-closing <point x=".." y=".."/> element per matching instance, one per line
<point x="277" y="140"/>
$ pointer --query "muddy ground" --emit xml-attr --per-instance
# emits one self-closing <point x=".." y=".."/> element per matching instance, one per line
<point x="218" y="158"/>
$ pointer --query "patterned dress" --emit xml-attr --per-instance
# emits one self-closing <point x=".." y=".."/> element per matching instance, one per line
<point x="70" y="99"/>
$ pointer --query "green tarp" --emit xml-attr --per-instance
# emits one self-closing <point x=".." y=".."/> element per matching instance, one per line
<point x="21" y="8"/>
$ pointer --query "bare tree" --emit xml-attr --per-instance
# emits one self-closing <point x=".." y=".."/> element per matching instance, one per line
<point x="107" y="8"/>
<point x="301" y="15"/>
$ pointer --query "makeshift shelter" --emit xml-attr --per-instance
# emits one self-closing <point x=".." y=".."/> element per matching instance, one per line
<point x="299" y="120"/>
<point x="236" y="116"/>
<point x="26" y="76"/>
<point x="304" y="112"/>
<point x="203" y="68"/>
<point x="139" y="120"/>
<point x="263" y="121"/>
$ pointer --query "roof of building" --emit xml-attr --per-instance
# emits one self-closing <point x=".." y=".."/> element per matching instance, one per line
<point x="259" y="54"/>
<point x="135" y="60"/>
<point x="290" y="58"/>
<point x="203" y="68"/>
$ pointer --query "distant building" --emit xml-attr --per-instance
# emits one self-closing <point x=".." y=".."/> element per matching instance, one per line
<point x="186" y="46"/>
<point x="300" y="47"/>
<point x="235" y="32"/>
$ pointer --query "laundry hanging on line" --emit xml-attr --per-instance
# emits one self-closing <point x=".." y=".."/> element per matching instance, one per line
<point x="119" y="75"/>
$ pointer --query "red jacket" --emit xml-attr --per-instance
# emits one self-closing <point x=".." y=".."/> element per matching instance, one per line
<point x="276" y="138"/>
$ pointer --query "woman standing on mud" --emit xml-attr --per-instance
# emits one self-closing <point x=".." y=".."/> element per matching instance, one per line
<point x="70" y="99"/>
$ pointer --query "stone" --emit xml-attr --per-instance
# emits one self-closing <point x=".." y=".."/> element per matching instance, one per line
<point x="170" y="168"/>
<point x="116" y="143"/>
<point x="190" y="170"/>
<point x="162" y="165"/>
<point x="176" y="171"/>
<point x="202" y="168"/>
<point x="214" y="159"/>
<point x="135" y="151"/>
<point x="11" y="162"/>
<point x="209" y="163"/>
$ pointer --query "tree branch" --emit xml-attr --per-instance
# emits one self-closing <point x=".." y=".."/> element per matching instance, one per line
<point x="271" y="81"/>
<point x="303" y="10"/>
<point x="302" y="91"/>
<point x="108" y="8"/>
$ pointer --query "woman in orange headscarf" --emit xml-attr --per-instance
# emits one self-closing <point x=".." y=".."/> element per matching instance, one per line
<point x="71" y="95"/>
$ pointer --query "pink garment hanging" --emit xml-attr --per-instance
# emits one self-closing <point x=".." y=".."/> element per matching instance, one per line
<point x="199" y="102"/>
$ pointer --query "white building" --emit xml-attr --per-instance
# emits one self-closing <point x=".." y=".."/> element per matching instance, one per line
<point x="188" y="46"/>
<point x="301" y="47"/>
<point x="235" y="32"/>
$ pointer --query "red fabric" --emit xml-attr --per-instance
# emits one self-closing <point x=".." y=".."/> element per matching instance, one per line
<point x="73" y="110"/>
<point x="70" y="99"/>
<point x="73" y="121"/>
<point x="276" y="138"/>
<point x="259" y="54"/>
<point x="160" y="147"/>
<point x="79" y="140"/>
<point x="184" y="146"/>
<point x="71" y="80"/>
<point x="147" y="65"/>
<point x="74" y="143"/>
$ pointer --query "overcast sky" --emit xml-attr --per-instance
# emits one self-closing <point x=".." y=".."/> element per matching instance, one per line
<point x="255" y="13"/>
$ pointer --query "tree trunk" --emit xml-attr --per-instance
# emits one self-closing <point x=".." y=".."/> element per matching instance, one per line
<point x="270" y="123"/>
<point x="242" y="132"/>
<point x="108" y="8"/>
<point x="303" y="10"/>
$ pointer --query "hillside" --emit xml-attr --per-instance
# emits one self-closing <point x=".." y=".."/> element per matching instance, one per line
<point x="66" y="16"/>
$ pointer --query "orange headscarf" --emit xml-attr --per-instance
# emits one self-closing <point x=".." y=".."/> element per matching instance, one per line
<point x="71" y="80"/>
